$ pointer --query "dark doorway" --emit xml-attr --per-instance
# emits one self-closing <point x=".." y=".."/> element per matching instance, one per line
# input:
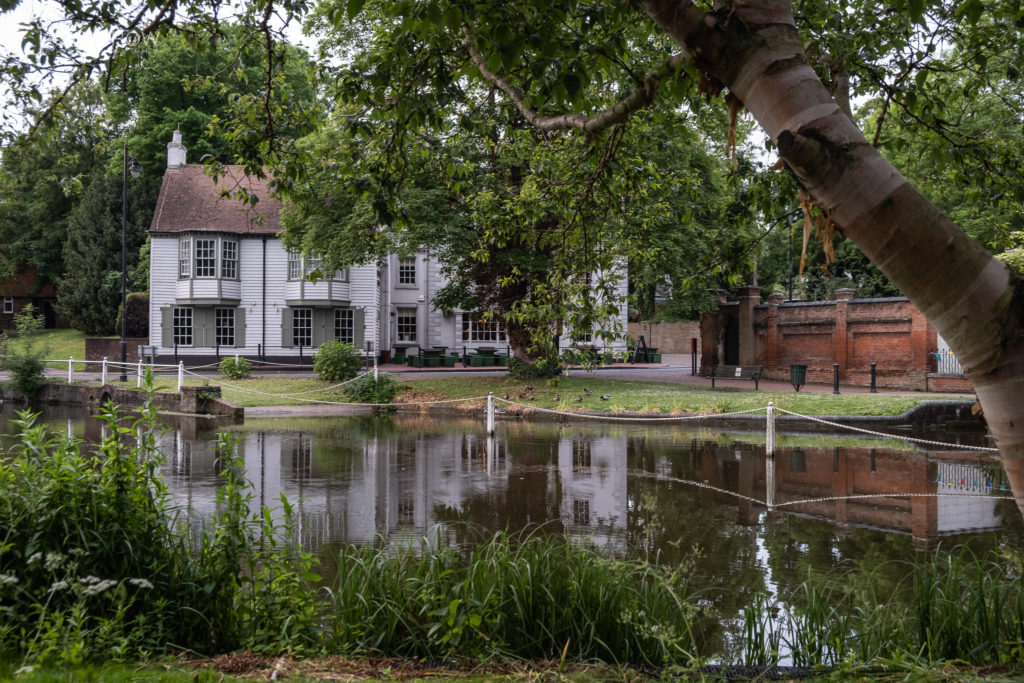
<point x="732" y="342"/>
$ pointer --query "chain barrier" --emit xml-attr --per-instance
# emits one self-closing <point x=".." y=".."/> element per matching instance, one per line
<point x="888" y="436"/>
<point x="860" y="496"/>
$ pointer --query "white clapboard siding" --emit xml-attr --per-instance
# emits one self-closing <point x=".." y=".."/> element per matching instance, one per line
<point x="163" y="277"/>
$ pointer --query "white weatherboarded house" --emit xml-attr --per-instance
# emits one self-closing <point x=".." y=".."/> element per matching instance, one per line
<point x="222" y="283"/>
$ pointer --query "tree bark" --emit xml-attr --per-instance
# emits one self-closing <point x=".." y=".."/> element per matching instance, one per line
<point x="972" y="299"/>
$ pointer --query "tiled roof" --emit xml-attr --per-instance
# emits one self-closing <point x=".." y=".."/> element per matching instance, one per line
<point x="190" y="200"/>
<point x="25" y="283"/>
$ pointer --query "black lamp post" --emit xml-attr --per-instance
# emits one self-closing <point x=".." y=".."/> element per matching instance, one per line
<point x="136" y="170"/>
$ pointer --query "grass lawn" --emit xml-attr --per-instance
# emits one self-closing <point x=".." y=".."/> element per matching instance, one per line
<point x="59" y="345"/>
<point x="625" y="396"/>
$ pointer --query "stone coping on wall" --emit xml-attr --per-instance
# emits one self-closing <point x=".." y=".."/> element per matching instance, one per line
<point x="191" y="400"/>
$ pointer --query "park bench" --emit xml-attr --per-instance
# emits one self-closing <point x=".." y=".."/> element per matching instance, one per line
<point x="752" y="372"/>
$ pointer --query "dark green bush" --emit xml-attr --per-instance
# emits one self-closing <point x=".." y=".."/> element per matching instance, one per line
<point x="366" y="390"/>
<point x="235" y="367"/>
<point x="544" y="368"/>
<point x="337" y="361"/>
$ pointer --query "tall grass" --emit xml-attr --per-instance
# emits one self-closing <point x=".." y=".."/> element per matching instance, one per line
<point x="535" y="597"/>
<point x="961" y="606"/>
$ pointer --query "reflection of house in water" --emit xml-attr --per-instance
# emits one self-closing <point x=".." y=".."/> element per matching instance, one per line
<point x="402" y="485"/>
<point x="593" y="477"/>
<point x="358" y="484"/>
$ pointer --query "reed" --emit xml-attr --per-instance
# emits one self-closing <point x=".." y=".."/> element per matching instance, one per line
<point x="534" y="596"/>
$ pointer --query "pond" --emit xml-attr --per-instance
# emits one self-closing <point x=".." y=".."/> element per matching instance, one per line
<point x="686" y="494"/>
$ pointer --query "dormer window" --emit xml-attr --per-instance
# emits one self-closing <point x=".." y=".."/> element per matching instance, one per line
<point x="207" y="257"/>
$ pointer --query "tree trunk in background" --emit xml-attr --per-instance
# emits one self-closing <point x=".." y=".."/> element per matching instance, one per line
<point x="972" y="299"/>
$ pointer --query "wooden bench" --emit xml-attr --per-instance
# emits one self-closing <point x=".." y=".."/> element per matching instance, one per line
<point x="752" y="372"/>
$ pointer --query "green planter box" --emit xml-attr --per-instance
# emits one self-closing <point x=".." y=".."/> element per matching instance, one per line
<point x="500" y="359"/>
<point x="479" y="361"/>
<point x="399" y="358"/>
<point x="432" y="362"/>
<point x="450" y="361"/>
<point x="654" y="357"/>
<point x="414" y="362"/>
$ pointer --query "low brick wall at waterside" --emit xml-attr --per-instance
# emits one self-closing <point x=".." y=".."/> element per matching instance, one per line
<point x="203" y="400"/>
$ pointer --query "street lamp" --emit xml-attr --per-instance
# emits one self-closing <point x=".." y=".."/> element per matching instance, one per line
<point x="136" y="170"/>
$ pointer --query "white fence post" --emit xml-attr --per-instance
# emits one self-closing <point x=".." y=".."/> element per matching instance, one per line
<point x="490" y="412"/>
<point x="138" y="374"/>
<point x="769" y="447"/>
<point x="71" y="368"/>
<point x="181" y="375"/>
<point x="103" y="376"/>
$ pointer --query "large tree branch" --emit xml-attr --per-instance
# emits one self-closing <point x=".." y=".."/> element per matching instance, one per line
<point x="589" y="125"/>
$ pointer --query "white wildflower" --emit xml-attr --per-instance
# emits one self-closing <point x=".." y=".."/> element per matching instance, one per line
<point x="53" y="561"/>
<point x="140" y="583"/>
<point x="58" y="586"/>
<point x="98" y="588"/>
<point x="35" y="557"/>
<point x="8" y="579"/>
<point x="89" y="580"/>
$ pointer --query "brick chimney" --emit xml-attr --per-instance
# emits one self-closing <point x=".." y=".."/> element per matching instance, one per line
<point x="175" y="152"/>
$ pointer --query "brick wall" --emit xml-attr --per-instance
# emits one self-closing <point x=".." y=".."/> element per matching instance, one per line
<point x="854" y="333"/>
<point x="667" y="337"/>
<point x="98" y="348"/>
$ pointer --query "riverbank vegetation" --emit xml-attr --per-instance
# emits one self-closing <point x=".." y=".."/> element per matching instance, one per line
<point x="96" y="565"/>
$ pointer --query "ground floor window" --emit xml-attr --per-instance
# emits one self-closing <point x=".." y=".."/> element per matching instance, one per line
<point x="8" y="304"/>
<point x="225" y="324"/>
<point x="182" y="326"/>
<point x="406" y="321"/>
<point x="476" y="329"/>
<point x="302" y="327"/>
<point x="345" y="325"/>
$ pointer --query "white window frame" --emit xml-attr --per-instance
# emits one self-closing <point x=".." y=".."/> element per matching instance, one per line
<point x="303" y="330"/>
<point x="299" y="268"/>
<point x="205" y="257"/>
<point x="407" y="271"/>
<point x="403" y="316"/>
<point x="345" y="325"/>
<point x="8" y="305"/>
<point x="185" y="258"/>
<point x="224" y="326"/>
<point x="476" y="329"/>
<point x="228" y="259"/>
<point x="182" y="326"/>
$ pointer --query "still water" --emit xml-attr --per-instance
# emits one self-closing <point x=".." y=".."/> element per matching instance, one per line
<point x="634" y="488"/>
<point x="688" y="495"/>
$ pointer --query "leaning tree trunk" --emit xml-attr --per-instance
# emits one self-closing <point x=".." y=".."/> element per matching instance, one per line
<point x="972" y="299"/>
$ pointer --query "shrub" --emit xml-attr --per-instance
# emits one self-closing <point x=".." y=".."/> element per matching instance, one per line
<point x="235" y="367"/>
<point x="545" y="368"/>
<point x="337" y="361"/>
<point x="366" y="390"/>
<point x="24" y="359"/>
<point x="137" y="324"/>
